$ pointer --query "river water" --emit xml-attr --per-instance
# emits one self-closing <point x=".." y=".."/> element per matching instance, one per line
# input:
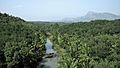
<point x="49" y="62"/>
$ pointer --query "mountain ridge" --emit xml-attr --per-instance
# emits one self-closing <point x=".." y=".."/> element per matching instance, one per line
<point x="92" y="16"/>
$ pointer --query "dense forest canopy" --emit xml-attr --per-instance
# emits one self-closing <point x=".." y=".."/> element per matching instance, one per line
<point x="21" y="43"/>
<point x="94" y="44"/>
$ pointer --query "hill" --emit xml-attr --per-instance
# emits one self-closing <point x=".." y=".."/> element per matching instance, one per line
<point x="93" y="16"/>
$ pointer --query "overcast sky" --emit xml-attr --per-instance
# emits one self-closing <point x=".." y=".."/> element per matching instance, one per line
<point x="56" y="9"/>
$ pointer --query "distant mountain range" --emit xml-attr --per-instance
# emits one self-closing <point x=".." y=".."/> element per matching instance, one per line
<point x="92" y="16"/>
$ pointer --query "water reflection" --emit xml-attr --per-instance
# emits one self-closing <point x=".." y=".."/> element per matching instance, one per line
<point x="50" y="59"/>
<point x="48" y="46"/>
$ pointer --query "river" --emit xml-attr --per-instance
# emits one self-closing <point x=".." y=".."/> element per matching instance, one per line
<point x="50" y="59"/>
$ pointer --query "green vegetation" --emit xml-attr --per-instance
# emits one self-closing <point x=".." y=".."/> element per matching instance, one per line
<point x="94" y="44"/>
<point x="21" y="43"/>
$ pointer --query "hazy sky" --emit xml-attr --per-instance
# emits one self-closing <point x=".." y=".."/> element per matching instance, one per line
<point x="57" y="9"/>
